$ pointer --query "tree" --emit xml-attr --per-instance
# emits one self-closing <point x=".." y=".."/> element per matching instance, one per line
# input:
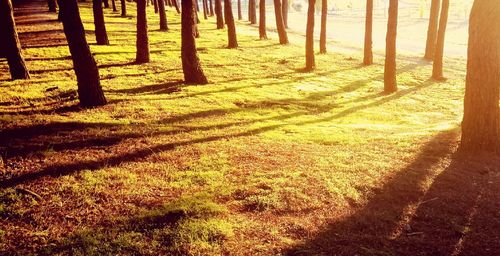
<point x="437" y="66"/>
<point x="87" y="74"/>
<point x="101" y="35"/>
<point x="52" y="5"/>
<point x="481" y="121"/>
<point x="163" y="15"/>
<point x="252" y="15"/>
<point x="284" y="10"/>
<point x="430" y="45"/>
<point x="390" y="83"/>
<point x="280" y="25"/>
<point x="310" y="62"/>
<point x="240" y="16"/>
<point x="193" y="73"/>
<point x="368" y="53"/>
<point x="142" y="43"/>
<point x="106" y="3"/>
<point x="322" y="36"/>
<point x="205" y="9"/>
<point x="218" y="14"/>
<point x="123" y="8"/>
<point x="155" y="5"/>
<point x="262" y="20"/>
<point x="211" y="7"/>
<point x="10" y="46"/>
<point x="231" y="28"/>
<point x="113" y="4"/>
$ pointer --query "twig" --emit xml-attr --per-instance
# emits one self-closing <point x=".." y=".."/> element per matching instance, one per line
<point x="29" y="192"/>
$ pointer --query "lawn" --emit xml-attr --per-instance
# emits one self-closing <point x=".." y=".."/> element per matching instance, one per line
<point x="264" y="160"/>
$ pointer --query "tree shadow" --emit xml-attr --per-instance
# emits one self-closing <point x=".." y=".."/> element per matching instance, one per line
<point x="163" y="88"/>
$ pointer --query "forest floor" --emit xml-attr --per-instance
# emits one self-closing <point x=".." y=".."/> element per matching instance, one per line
<point x="264" y="160"/>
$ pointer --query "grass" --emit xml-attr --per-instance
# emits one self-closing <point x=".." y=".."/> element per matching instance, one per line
<point x="266" y="159"/>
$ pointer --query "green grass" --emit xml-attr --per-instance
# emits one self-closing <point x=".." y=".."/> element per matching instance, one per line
<point x="256" y="162"/>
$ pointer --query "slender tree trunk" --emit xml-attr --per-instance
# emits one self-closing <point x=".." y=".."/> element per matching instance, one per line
<point x="262" y="20"/>
<point x="142" y="43"/>
<point x="52" y="5"/>
<point x="106" y="3"/>
<point x="9" y="42"/>
<point x="123" y="8"/>
<point x="240" y="16"/>
<point x="231" y="28"/>
<point x="218" y="14"/>
<point x="87" y="74"/>
<point x="176" y="5"/>
<point x="113" y="4"/>
<point x="59" y="14"/>
<point x="322" y="37"/>
<point x="252" y="12"/>
<point x="430" y="45"/>
<point x="368" y="52"/>
<point x="101" y="35"/>
<point x="310" y="62"/>
<point x="205" y="9"/>
<point x="390" y="83"/>
<point x="193" y="73"/>
<point x="279" y="22"/>
<point x="197" y="6"/>
<point x="437" y="66"/>
<point x="284" y="10"/>
<point x="163" y="15"/>
<point x="155" y="5"/>
<point x="481" y="122"/>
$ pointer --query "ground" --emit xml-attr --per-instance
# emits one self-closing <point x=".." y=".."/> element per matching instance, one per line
<point x="264" y="160"/>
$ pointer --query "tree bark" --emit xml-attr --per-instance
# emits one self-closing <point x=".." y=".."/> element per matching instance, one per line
<point x="283" y="37"/>
<point x="193" y="73"/>
<point x="10" y="46"/>
<point x="231" y="28"/>
<point x="218" y="14"/>
<point x="284" y="10"/>
<point x="481" y="122"/>
<point x="252" y="12"/>
<point x="123" y="8"/>
<point x="87" y="74"/>
<point x="101" y="35"/>
<point x="163" y="15"/>
<point x="430" y="45"/>
<point x="142" y="43"/>
<point x="262" y="20"/>
<point x="240" y="15"/>
<point x="113" y="4"/>
<point x="310" y="62"/>
<point x="324" y="16"/>
<point x="437" y="65"/>
<point x="390" y="83"/>
<point x="368" y="52"/>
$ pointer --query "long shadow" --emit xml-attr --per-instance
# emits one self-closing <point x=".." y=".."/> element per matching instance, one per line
<point x="163" y="88"/>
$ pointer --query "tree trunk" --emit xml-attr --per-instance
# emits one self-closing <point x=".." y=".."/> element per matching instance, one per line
<point x="155" y="5"/>
<point x="252" y="12"/>
<point x="124" y="8"/>
<point x="430" y="45"/>
<point x="163" y="15"/>
<point x="322" y="37"/>
<point x="218" y="14"/>
<point x="142" y="43"/>
<point x="437" y="66"/>
<point x="310" y="62"/>
<point x="390" y="83"/>
<point x="193" y="73"/>
<point x="205" y="9"/>
<point x="52" y="5"/>
<point x="106" y="3"/>
<point x="176" y="5"/>
<point x="101" y="35"/>
<point x="481" y="123"/>
<point x="9" y="42"/>
<point x="231" y="28"/>
<point x="284" y="10"/>
<point x="262" y="20"/>
<point x="113" y="4"/>
<point x="240" y="15"/>
<point x="87" y="74"/>
<point x="211" y="7"/>
<point x="368" y="52"/>
<point x="279" y="22"/>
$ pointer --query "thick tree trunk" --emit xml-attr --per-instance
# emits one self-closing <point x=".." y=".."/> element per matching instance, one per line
<point x="163" y="15"/>
<point x="368" y="52"/>
<point x="231" y="28"/>
<point x="123" y="8"/>
<point x="52" y="5"/>
<point x="10" y="46"/>
<point x="87" y="74"/>
<point x="310" y="62"/>
<point x="262" y="20"/>
<point x="284" y="10"/>
<point x="430" y="45"/>
<point x="101" y="35"/>
<point x="283" y="37"/>
<point x="191" y="66"/>
<point x="113" y="4"/>
<point x="240" y="15"/>
<point x="481" y="123"/>
<point x="390" y="83"/>
<point x="142" y="43"/>
<point x="252" y="12"/>
<point x="218" y="14"/>
<point x="437" y="66"/>
<point x="322" y="36"/>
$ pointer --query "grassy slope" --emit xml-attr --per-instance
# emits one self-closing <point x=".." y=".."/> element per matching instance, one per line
<point x="266" y="159"/>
